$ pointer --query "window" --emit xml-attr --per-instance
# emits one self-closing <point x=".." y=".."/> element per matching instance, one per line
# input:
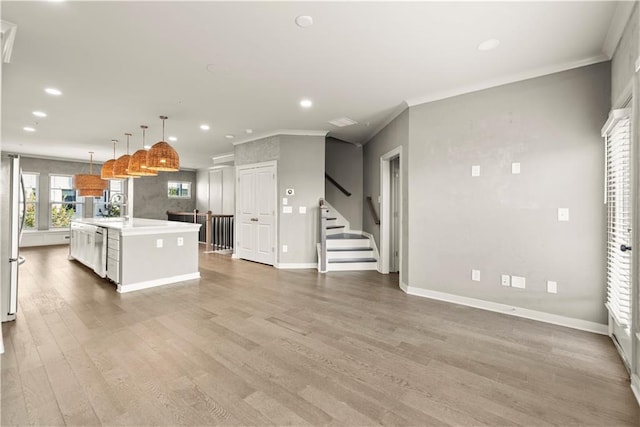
<point x="30" y="181"/>
<point x="179" y="189"/>
<point x="63" y="201"/>
<point x="109" y="206"/>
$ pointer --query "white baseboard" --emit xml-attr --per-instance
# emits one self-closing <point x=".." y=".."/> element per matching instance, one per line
<point x="157" y="282"/>
<point x="635" y="386"/>
<point x="235" y="256"/>
<point x="299" y="265"/>
<point x="540" y="316"/>
<point x="404" y="287"/>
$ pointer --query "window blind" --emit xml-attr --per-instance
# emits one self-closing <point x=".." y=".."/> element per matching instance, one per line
<point x="617" y="134"/>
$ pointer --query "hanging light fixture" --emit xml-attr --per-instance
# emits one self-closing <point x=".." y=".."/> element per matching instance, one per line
<point x="121" y="166"/>
<point x="89" y="185"/>
<point x="161" y="156"/>
<point x="107" y="168"/>
<point x="138" y="161"/>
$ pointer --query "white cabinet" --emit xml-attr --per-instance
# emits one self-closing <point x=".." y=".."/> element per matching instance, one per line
<point x="113" y="255"/>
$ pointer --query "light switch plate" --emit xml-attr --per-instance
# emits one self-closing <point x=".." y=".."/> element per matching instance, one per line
<point x="285" y="201"/>
<point x="159" y="243"/>
<point x="515" y="168"/>
<point x="518" y="282"/>
<point x="180" y="241"/>
<point x="287" y="209"/>
<point x="285" y="249"/>
<point x="475" y="170"/>
<point x="475" y="275"/>
<point x="505" y="280"/>
<point x="552" y="287"/>
<point x="302" y="209"/>
<point x="563" y="214"/>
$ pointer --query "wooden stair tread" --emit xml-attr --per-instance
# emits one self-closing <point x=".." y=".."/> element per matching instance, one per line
<point x="346" y="236"/>
<point x="348" y="260"/>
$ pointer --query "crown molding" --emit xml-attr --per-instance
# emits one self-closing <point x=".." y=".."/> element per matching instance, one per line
<point x="287" y="132"/>
<point x="391" y="117"/>
<point x="513" y="78"/>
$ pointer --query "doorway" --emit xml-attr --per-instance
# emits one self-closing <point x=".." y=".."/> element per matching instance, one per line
<point x="391" y="212"/>
<point x="256" y="216"/>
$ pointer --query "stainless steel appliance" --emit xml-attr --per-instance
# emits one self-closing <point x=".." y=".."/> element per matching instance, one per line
<point x="12" y="210"/>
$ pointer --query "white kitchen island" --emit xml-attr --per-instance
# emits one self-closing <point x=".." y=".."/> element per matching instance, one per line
<point x="136" y="253"/>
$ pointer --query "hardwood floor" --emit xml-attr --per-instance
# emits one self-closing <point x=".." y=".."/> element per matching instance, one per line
<point x="251" y="345"/>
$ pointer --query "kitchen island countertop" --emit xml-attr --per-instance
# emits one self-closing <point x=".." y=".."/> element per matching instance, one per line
<point x="139" y="226"/>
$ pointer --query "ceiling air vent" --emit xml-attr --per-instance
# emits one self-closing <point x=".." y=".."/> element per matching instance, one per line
<point x="342" y="122"/>
<point x="8" y="30"/>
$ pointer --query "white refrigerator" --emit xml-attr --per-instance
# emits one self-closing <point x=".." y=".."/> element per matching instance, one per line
<point x="12" y="208"/>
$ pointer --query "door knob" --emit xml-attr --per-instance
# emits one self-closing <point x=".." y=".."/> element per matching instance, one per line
<point x="625" y="248"/>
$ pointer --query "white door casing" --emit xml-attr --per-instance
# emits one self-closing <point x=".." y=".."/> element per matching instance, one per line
<point x="385" y="211"/>
<point x="256" y="200"/>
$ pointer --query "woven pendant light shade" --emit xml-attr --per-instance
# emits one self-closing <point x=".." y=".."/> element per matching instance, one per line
<point x="89" y="185"/>
<point x="90" y="193"/>
<point x="138" y="161"/>
<point x="161" y="156"/>
<point x="107" y="169"/>
<point x="121" y="166"/>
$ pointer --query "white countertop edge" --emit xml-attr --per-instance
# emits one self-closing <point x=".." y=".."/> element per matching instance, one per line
<point x="140" y="226"/>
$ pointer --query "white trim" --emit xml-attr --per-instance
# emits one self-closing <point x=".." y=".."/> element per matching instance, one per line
<point x="394" y="114"/>
<point x="235" y="256"/>
<point x="635" y="387"/>
<point x="285" y="132"/>
<point x="583" y="325"/>
<point x="372" y="241"/>
<point x="616" y="27"/>
<point x="297" y="265"/>
<point x="221" y="159"/>
<point x="500" y="81"/>
<point x="255" y="166"/>
<point x="614" y="117"/>
<point x="385" y="203"/>
<point x="404" y="287"/>
<point x="157" y="282"/>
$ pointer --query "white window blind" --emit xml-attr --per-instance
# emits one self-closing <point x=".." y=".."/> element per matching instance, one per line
<point x="617" y="134"/>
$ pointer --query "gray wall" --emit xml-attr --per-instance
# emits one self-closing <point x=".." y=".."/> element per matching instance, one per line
<point x="501" y="223"/>
<point x="395" y="134"/>
<point x="624" y="59"/>
<point x="343" y="162"/>
<point x="300" y="165"/>
<point x="150" y="195"/>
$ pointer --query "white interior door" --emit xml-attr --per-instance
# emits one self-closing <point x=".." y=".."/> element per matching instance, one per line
<point x="256" y="214"/>
<point x="394" y="260"/>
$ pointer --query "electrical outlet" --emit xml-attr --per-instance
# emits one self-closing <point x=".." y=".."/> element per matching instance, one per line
<point x="287" y="209"/>
<point x="505" y="280"/>
<point x="475" y="275"/>
<point x="159" y="243"/>
<point x="285" y="201"/>
<point x="552" y="287"/>
<point x="302" y="209"/>
<point x="563" y="214"/>
<point x="518" y="282"/>
<point x="180" y="241"/>
<point x="285" y="249"/>
<point x="475" y="170"/>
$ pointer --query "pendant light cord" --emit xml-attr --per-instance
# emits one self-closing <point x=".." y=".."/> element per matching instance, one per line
<point x="90" y="162"/>
<point x="163" y="119"/>
<point x="128" y="135"/>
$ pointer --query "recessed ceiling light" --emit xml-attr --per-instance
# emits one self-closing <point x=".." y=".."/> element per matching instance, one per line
<point x="39" y="114"/>
<point x="304" y="21"/>
<point x="248" y="131"/>
<point x="53" y="91"/>
<point x="173" y="139"/>
<point x="29" y="129"/>
<point x="229" y="136"/>
<point x="306" y="103"/>
<point x="489" y="44"/>
<point x="204" y="127"/>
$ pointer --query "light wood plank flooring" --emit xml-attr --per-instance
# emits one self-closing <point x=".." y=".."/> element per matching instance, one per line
<point x="251" y="345"/>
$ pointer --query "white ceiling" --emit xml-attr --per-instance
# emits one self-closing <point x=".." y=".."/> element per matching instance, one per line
<point x="122" y="64"/>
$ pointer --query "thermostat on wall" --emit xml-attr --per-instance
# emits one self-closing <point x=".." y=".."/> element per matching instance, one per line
<point x="289" y="192"/>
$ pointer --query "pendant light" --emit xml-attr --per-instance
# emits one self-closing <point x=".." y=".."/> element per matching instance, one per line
<point x="162" y="157"/>
<point x="121" y="166"/>
<point x="107" y="168"/>
<point x="89" y="185"/>
<point x="138" y="161"/>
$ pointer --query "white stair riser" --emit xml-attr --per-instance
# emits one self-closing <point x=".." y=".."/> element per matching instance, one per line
<point x="349" y="254"/>
<point x="352" y="266"/>
<point x="348" y="243"/>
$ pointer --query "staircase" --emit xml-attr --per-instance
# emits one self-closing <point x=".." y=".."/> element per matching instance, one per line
<point x="341" y="249"/>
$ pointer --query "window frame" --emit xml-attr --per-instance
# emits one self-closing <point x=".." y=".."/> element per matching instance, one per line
<point x="179" y="189"/>
<point x="35" y="203"/>
<point x="79" y="201"/>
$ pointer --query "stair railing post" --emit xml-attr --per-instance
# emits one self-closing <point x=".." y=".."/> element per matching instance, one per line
<point x="323" y="236"/>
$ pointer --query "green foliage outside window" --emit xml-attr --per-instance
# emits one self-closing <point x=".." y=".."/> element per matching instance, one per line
<point x="30" y="210"/>
<point x="61" y="216"/>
